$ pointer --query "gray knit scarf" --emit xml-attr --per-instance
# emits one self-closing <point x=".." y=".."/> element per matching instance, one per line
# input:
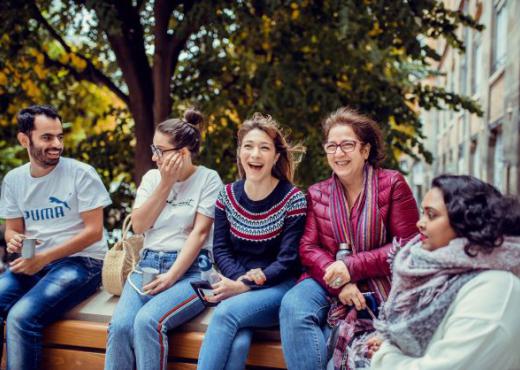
<point x="425" y="283"/>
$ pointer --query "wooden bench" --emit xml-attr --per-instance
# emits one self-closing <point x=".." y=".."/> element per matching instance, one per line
<point x="78" y="341"/>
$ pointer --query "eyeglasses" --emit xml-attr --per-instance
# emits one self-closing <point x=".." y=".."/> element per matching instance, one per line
<point x="346" y="146"/>
<point x="160" y="152"/>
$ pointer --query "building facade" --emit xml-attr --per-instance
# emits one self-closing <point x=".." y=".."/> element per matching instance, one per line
<point x="487" y="147"/>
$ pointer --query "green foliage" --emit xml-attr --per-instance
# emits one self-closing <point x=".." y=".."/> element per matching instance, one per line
<point x="111" y="152"/>
<point x="296" y="60"/>
<point x="300" y="60"/>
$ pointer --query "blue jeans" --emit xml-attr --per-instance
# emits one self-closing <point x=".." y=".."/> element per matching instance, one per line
<point x="228" y="337"/>
<point x="137" y="334"/>
<point x="303" y="327"/>
<point x="29" y="303"/>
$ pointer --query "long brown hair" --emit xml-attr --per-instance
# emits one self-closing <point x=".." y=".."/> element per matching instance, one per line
<point x="290" y="155"/>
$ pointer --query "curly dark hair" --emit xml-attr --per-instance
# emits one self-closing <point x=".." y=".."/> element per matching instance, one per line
<point x="478" y="212"/>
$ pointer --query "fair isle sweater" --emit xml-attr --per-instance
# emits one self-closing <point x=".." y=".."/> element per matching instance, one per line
<point x="259" y="234"/>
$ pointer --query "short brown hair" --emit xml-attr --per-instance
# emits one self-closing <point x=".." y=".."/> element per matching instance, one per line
<point x="285" y="166"/>
<point x="365" y="129"/>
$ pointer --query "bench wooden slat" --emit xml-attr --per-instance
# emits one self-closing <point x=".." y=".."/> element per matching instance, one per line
<point x="77" y="334"/>
<point x="92" y="336"/>
<point x="68" y="359"/>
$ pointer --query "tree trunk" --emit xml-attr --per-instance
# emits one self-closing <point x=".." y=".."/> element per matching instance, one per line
<point x="127" y="42"/>
<point x="144" y="131"/>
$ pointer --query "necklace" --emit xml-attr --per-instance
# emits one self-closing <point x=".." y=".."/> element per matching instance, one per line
<point x="180" y="188"/>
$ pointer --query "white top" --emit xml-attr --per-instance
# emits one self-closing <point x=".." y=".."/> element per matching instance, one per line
<point x="51" y="205"/>
<point x="481" y="330"/>
<point x="197" y="194"/>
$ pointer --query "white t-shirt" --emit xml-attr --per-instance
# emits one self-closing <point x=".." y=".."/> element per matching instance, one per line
<point x="51" y="205"/>
<point x="197" y="194"/>
<point x="480" y="331"/>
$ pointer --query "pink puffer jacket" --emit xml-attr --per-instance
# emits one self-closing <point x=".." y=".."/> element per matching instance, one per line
<point x="318" y="246"/>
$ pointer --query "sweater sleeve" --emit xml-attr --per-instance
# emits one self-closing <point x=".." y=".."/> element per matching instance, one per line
<point x="476" y="333"/>
<point x="228" y="265"/>
<point x="313" y="257"/>
<point x="287" y="257"/>
<point x="402" y="219"/>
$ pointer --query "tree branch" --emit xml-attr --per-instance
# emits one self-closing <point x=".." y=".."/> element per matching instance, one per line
<point x="90" y="73"/>
<point x="87" y="74"/>
<point x="140" y="5"/>
<point x="182" y="34"/>
<point x="127" y="41"/>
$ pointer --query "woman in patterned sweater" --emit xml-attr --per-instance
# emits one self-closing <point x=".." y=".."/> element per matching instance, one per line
<point x="258" y="224"/>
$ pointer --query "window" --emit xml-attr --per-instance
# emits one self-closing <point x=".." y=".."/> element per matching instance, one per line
<point x="460" y="162"/>
<point x="499" y="37"/>
<point x="498" y="161"/>
<point x="452" y="90"/>
<point x="474" y="158"/>
<point x="476" y="76"/>
<point x="463" y="69"/>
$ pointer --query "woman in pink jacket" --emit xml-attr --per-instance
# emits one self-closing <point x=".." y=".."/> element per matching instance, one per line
<point x="361" y="205"/>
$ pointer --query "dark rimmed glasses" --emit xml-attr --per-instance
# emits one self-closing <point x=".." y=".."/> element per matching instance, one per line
<point x="346" y="146"/>
<point x="160" y="152"/>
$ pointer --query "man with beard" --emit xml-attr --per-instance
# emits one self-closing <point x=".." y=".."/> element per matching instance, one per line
<point x="59" y="202"/>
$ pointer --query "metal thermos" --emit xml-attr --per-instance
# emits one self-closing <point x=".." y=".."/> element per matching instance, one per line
<point x="343" y="251"/>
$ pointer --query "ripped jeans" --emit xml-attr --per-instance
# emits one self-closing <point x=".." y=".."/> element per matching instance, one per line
<point x="29" y="303"/>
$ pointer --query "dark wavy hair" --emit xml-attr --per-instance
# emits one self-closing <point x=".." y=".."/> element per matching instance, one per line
<point x="478" y="212"/>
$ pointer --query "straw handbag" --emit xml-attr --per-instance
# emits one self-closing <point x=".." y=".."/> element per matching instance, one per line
<point x="121" y="259"/>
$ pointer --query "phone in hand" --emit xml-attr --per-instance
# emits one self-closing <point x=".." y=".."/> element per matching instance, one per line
<point x="372" y="310"/>
<point x="203" y="289"/>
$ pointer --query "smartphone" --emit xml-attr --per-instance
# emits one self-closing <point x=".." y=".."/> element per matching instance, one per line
<point x="372" y="310"/>
<point x="203" y="289"/>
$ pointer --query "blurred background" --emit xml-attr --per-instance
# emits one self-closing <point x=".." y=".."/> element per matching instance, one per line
<point x="440" y="77"/>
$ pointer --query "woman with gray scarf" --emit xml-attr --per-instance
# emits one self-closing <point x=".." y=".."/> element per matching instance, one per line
<point x="455" y="288"/>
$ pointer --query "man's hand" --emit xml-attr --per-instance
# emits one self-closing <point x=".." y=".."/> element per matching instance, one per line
<point x="29" y="266"/>
<point x="226" y="288"/>
<point x="256" y="275"/>
<point x="14" y="245"/>
<point x="162" y="282"/>
<point x="336" y="274"/>
<point x="351" y="295"/>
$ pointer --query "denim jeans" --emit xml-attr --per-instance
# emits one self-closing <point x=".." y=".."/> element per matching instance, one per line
<point x="137" y="334"/>
<point x="228" y="337"/>
<point x="29" y="303"/>
<point x="303" y="326"/>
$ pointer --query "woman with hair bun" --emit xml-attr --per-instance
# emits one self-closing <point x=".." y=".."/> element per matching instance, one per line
<point x="456" y="288"/>
<point x="174" y="208"/>
<point x="258" y="223"/>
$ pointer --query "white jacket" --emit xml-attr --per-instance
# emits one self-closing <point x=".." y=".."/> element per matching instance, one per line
<point x="481" y="330"/>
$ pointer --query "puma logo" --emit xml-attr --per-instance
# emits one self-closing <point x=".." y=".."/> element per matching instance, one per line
<point x="57" y="201"/>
